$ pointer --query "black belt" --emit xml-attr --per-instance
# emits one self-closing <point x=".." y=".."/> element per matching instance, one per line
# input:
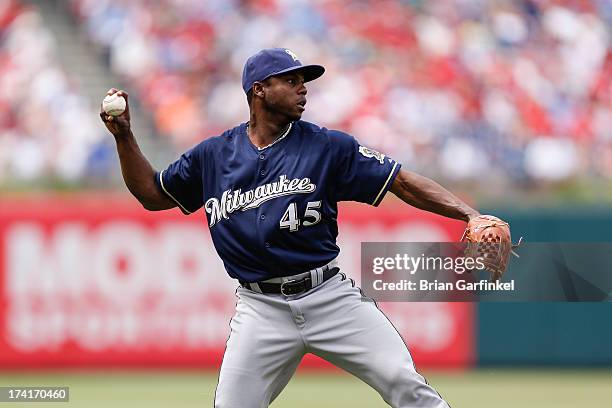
<point x="291" y="286"/>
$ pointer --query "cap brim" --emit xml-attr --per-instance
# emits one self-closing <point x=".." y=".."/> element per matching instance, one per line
<point x="310" y="71"/>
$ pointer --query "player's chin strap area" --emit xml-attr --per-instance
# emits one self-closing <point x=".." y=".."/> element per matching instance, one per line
<point x="295" y="284"/>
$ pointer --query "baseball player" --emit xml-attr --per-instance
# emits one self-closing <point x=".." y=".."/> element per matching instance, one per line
<point x="270" y="189"/>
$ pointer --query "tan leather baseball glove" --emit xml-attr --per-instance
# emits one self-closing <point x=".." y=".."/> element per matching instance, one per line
<point x="489" y="238"/>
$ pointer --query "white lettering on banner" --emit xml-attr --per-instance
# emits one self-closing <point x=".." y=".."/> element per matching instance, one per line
<point x="119" y="285"/>
<point x="97" y="330"/>
<point x="35" y="264"/>
<point x="125" y="248"/>
<point x="125" y="286"/>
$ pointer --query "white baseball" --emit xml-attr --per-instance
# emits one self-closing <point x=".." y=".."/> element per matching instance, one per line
<point x="114" y="104"/>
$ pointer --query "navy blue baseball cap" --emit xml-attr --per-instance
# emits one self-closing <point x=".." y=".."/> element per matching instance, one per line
<point x="275" y="61"/>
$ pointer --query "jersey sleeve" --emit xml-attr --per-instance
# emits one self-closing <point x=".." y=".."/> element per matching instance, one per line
<point x="182" y="181"/>
<point x="362" y="174"/>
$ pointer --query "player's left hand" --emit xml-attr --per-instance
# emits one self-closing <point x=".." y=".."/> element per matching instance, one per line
<point x="489" y="238"/>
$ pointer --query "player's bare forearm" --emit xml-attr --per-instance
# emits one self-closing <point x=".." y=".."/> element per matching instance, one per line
<point x="139" y="175"/>
<point x="426" y="194"/>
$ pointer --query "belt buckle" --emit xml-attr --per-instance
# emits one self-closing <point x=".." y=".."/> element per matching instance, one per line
<point x="282" y="287"/>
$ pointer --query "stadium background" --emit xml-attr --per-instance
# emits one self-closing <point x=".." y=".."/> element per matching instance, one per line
<point x="508" y="103"/>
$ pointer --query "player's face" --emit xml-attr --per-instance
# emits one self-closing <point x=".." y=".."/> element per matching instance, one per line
<point x="286" y="94"/>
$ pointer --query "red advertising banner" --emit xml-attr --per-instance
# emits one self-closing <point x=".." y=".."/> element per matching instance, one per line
<point x="97" y="281"/>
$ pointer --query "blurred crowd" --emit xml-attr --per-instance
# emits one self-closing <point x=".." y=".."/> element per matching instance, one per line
<point x="519" y="91"/>
<point x="47" y="129"/>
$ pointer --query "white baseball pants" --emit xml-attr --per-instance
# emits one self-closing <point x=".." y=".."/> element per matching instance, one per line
<point x="271" y="333"/>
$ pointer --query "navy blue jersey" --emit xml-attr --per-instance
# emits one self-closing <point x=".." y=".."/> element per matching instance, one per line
<point x="273" y="212"/>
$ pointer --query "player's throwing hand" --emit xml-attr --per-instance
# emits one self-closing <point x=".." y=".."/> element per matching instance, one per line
<point x="119" y="125"/>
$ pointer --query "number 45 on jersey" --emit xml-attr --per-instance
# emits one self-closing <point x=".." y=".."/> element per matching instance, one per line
<point x="290" y="218"/>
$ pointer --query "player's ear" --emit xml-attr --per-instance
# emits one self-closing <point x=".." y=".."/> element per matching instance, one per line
<point x="258" y="89"/>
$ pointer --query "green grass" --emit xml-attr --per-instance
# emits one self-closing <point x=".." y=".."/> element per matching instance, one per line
<point x="474" y="389"/>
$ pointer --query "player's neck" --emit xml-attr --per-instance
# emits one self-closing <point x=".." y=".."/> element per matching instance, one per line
<point x="264" y="132"/>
